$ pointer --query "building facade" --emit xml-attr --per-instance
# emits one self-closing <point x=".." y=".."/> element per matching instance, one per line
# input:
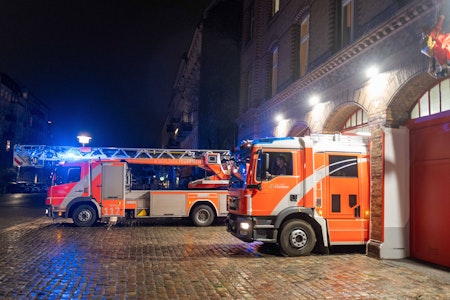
<point x="206" y="90"/>
<point x="355" y="66"/>
<point x="23" y="120"/>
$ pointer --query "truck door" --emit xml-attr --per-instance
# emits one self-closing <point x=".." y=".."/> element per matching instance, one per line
<point x="279" y="188"/>
<point x="344" y="203"/>
<point x="113" y="189"/>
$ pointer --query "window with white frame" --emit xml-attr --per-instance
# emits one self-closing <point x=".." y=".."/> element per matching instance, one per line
<point x="433" y="101"/>
<point x="274" y="70"/>
<point x="249" y="88"/>
<point x="275" y="6"/>
<point x="357" y="123"/>
<point x="347" y="22"/>
<point x="251" y="23"/>
<point x="304" y="45"/>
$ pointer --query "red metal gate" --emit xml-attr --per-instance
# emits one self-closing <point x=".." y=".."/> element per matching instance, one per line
<point x="430" y="188"/>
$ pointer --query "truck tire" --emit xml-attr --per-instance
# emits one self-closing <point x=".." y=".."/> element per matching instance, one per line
<point x="297" y="238"/>
<point x="84" y="216"/>
<point x="202" y="216"/>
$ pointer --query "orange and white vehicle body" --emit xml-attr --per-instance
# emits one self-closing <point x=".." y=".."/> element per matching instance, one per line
<point x="321" y="200"/>
<point x="102" y="189"/>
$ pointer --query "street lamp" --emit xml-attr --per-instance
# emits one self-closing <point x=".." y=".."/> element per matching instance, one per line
<point x="84" y="139"/>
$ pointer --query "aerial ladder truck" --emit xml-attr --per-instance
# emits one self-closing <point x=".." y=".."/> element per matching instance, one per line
<point x="90" y="184"/>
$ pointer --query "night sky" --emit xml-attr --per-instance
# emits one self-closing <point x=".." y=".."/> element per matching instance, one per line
<point x="105" y="68"/>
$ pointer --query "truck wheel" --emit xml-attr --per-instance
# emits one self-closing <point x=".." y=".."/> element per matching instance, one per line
<point x="84" y="216"/>
<point x="297" y="238"/>
<point x="202" y="216"/>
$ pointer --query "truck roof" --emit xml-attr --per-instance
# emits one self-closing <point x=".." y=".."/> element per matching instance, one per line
<point x="319" y="143"/>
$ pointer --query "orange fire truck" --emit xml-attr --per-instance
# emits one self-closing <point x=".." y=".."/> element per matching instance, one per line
<point x="91" y="184"/>
<point x="302" y="193"/>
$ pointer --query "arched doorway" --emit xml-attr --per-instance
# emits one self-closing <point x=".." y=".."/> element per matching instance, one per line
<point x="430" y="175"/>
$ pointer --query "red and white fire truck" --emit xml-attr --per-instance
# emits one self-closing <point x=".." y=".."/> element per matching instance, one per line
<point x="301" y="193"/>
<point x="91" y="184"/>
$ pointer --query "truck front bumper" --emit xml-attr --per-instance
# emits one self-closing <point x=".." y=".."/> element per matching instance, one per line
<point x="53" y="213"/>
<point x="240" y="226"/>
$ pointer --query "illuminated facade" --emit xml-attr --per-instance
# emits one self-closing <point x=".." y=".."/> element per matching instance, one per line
<point x="304" y="70"/>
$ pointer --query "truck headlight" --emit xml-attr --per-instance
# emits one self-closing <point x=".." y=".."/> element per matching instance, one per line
<point x="245" y="226"/>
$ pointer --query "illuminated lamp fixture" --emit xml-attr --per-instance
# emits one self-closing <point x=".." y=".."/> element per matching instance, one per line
<point x="372" y="71"/>
<point x="314" y="100"/>
<point x="279" y="118"/>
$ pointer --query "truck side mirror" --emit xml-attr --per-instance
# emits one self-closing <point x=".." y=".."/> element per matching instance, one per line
<point x="263" y="166"/>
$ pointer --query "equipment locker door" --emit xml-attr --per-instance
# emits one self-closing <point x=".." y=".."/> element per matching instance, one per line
<point x="344" y="203"/>
<point x="113" y="189"/>
<point x="430" y="200"/>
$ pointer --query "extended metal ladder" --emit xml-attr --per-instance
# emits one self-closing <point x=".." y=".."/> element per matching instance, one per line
<point x="38" y="155"/>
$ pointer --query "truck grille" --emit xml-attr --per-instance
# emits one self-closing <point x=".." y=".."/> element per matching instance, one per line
<point x="233" y="203"/>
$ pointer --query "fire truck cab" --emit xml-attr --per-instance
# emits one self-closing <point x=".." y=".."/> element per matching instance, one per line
<point x="301" y="193"/>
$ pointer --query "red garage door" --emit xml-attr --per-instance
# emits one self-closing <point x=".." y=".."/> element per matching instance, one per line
<point x="430" y="188"/>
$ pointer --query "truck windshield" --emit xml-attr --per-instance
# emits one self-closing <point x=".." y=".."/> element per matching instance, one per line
<point x="239" y="168"/>
<point x="63" y="175"/>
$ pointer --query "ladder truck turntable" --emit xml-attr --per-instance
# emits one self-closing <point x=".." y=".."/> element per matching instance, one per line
<point x="320" y="199"/>
<point x="94" y="183"/>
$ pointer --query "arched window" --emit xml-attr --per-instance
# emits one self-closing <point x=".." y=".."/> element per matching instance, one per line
<point x="357" y="123"/>
<point x="433" y="101"/>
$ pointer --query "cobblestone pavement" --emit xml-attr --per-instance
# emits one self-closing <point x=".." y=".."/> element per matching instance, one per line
<point x="41" y="260"/>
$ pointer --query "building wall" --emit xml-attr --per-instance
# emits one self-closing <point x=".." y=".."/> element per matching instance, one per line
<point x="206" y="91"/>
<point x="23" y="118"/>
<point x="385" y="33"/>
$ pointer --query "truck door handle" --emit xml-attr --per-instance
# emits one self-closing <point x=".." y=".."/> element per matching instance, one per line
<point x="357" y="211"/>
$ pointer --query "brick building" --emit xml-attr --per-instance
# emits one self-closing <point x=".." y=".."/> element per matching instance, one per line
<point x="206" y="90"/>
<point x="23" y="118"/>
<point x="306" y="62"/>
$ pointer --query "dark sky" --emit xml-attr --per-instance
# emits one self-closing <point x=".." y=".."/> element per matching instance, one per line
<point x="102" y="67"/>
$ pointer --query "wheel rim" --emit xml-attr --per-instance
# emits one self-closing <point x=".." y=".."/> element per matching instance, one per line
<point x="298" y="238"/>
<point x="203" y="216"/>
<point x="84" y="216"/>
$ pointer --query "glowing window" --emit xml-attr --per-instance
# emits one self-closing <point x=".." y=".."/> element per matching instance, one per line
<point x="275" y="6"/>
<point x="347" y="22"/>
<point x="433" y="101"/>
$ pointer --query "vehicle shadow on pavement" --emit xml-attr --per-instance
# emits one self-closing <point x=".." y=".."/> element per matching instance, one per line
<point x="166" y="222"/>
<point x="273" y="249"/>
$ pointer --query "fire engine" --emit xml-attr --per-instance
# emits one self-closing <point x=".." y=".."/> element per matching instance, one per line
<point x="301" y="193"/>
<point x="91" y="184"/>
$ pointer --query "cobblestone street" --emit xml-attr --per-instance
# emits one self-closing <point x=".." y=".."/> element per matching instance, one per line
<point x="41" y="260"/>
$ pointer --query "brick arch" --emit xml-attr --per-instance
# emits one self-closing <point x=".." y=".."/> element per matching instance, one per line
<point x="337" y="118"/>
<point x="299" y="129"/>
<point x="402" y="102"/>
